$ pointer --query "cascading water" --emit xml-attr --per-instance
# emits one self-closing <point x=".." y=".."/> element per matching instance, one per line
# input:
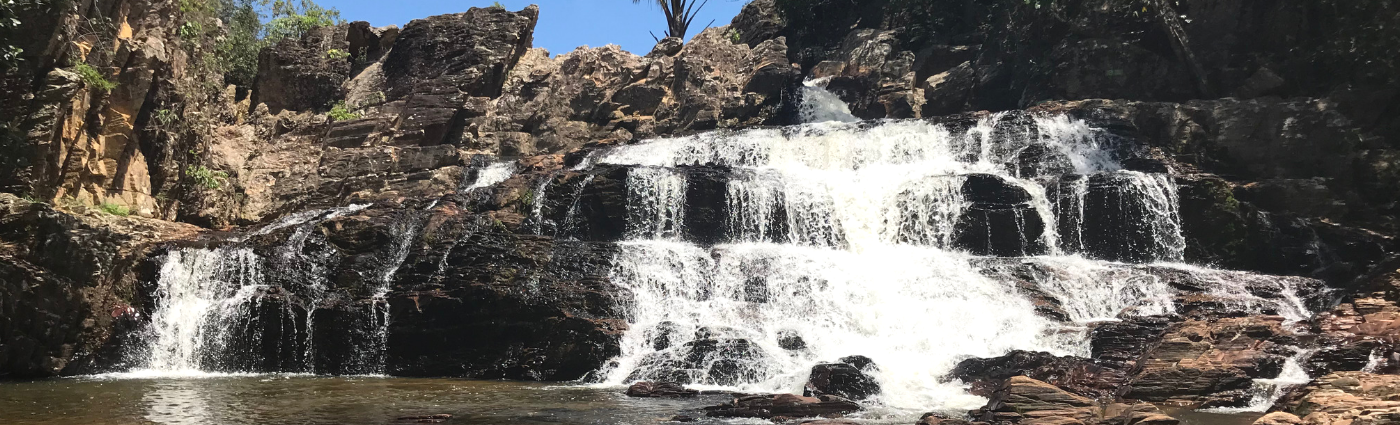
<point x="1266" y="391"/>
<point x="490" y="175"/>
<point x="212" y="305"/>
<point x="888" y="240"/>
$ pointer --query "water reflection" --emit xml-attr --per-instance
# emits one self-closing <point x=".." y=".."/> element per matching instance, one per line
<point x="324" y="400"/>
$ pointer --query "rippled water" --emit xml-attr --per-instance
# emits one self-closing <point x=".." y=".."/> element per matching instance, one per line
<point x="296" y="399"/>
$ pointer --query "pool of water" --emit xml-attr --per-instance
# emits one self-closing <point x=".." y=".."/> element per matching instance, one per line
<point x="304" y="399"/>
<point x="325" y="400"/>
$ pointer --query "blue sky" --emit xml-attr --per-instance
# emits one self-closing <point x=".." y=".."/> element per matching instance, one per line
<point x="564" y="24"/>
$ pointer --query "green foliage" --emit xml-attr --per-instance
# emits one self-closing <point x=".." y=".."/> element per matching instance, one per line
<point x="10" y="14"/>
<point x="114" y="209"/>
<point x="93" y="77"/>
<point x="205" y="177"/>
<point x="735" y="35"/>
<point x="165" y="117"/>
<point x="294" y="19"/>
<point x="497" y="5"/>
<point x="191" y="31"/>
<point x="341" y="112"/>
<point x="337" y="54"/>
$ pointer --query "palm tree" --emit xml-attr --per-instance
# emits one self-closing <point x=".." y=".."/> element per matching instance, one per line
<point x="679" y="13"/>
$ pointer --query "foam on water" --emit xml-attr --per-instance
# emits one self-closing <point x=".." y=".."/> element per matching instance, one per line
<point x="842" y="235"/>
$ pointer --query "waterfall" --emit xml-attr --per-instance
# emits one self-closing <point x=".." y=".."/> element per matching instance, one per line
<point x="819" y="105"/>
<point x="1264" y="392"/>
<point x="491" y="175"/>
<point x="890" y="240"/>
<point x="217" y="307"/>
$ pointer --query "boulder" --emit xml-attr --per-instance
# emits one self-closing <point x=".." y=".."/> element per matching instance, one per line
<point x="849" y="380"/>
<point x="1022" y="399"/>
<point x="1076" y="375"/>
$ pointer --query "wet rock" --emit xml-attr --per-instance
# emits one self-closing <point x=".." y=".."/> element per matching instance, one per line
<point x="790" y="340"/>
<point x="1040" y="159"/>
<point x="1076" y="375"/>
<point x="659" y="389"/>
<point x="1211" y="362"/>
<point x="782" y="405"/>
<point x="1022" y="399"/>
<point x="935" y="419"/>
<point x="708" y="360"/>
<point x="1121" y="344"/>
<point x="846" y="380"/>
<point x="68" y="279"/>
<point x="999" y="219"/>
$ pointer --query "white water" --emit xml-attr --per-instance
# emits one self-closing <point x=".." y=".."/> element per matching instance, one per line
<point x="843" y="235"/>
<point x="1266" y="391"/>
<point x="491" y="175"/>
<point x="819" y="105"/>
<point x="207" y="297"/>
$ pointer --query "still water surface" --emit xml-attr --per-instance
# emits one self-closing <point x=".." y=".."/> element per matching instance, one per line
<point x="306" y="399"/>
<point x="324" y="400"/>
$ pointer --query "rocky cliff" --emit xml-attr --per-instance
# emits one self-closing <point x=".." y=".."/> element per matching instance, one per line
<point x="1276" y="120"/>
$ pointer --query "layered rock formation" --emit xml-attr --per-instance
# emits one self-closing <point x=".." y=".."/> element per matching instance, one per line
<point x="1283" y="165"/>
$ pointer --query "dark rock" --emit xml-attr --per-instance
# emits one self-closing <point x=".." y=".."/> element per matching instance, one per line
<point x="782" y="405"/>
<point x="659" y="389"/>
<point x="841" y="379"/>
<point x="1041" y="160"/>
<point x="790" y="340"/>
<point x="458" y="55"/>
<point x="668" y="46"/>
<point x="948" y="91"/>
<point x="705" y="360"/>
<point x="302" y="74"/>
<point x="998" y="220"/>
<point x="1077" y="375"/>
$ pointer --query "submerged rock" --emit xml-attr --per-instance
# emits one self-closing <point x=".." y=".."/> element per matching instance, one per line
<point x="782" y="405"/>
<point x="659" y="389"/>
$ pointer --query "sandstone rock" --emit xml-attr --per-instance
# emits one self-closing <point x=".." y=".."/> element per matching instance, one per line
<point x="1279" y="418"/>
<point x="1343" y="398"/>
<point x="1208" y="361"/>
<point x="1025" y="399"/>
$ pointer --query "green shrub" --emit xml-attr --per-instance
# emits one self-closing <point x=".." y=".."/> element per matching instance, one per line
<point x="294" y="19"/>
<point x="191" y="30"/>
<point x="93" y="77"/>
<point x="337" y="54"/>
<point x="205" y="177"/>
<point x="340" y="112"/>
<point x="114" y="209"/>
